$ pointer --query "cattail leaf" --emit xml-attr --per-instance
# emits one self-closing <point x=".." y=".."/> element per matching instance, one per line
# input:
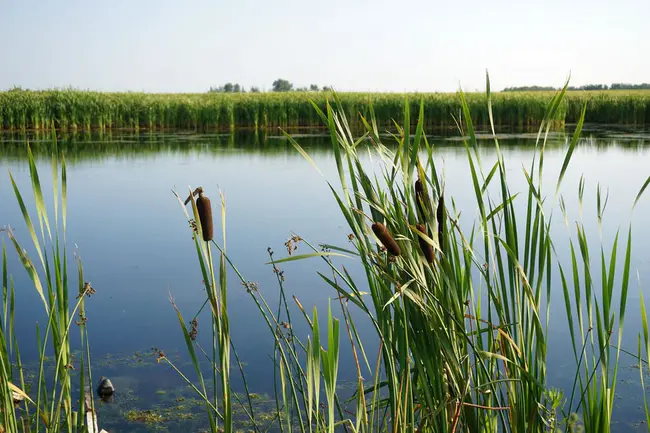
<point x="499" y="208"/>
<point x="27" y="218"/>
<point x="300" y="150"/>
<point x="638" y="196"/>
<point x="320" y="112"/>
<point x="19" y="391"/>
<point x="38" y="193"/>
<point x="572" y="145"/>
<point x="342" y="250"/>
<point x="489" y="177"/>
<point x="64" y="194"/>
<point x="488" y="92"/>
<point x="31" y="270"/>
<point x="307" y="256"/>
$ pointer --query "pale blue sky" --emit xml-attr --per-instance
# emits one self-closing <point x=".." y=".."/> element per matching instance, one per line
<point x="365" y="45"/>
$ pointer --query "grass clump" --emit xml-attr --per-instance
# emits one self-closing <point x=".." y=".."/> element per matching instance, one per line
<point x="460" y="309"/>
<point x="55" y="394"/>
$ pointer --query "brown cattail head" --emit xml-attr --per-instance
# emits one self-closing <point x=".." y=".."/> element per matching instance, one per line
<point x="386" y="239"/>
<point x="419" y="196"/>
<point x="205" y="214"/>
<point x="426" y="247"/>
<point x="440" y="216"/>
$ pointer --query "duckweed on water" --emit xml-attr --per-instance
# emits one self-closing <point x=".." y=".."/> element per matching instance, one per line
<point x="147" y="416"/>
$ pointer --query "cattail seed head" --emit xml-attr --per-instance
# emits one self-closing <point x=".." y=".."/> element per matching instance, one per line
<point x="204" y="207"/>
<point x="440" y="216"/>
<point x="426" y="248"/>
<point x="386" y="239"/>
<point x="419" y="195"/>
<point x="419" y="188"/>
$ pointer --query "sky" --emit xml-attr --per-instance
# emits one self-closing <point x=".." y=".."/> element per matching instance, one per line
<point x="351" y="45"/>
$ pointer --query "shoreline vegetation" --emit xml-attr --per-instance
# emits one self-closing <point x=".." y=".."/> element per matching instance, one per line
<point x="89" y="110"/>
<point x="461" y="317"/>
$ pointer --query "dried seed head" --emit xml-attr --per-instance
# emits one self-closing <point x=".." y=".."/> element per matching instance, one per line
<point x="419" y="196"/>
<point x="386" y="239"/>
<point x="440" y="216"/>
<point x="204" y="207"/>
<point x="426" y="248"/>
<point x="419" y="188"/>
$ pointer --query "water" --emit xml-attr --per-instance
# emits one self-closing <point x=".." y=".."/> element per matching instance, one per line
<point x="132" y="236"/>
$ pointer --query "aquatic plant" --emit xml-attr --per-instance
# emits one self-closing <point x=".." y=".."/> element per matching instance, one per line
<point x="48" y="403"/>
<point x="463" y="330"/>
<point x="84" y="110"/>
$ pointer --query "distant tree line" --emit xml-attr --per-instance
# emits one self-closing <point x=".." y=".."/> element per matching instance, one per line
<point x="614" y="86"/>
<point x="279" y="85"/>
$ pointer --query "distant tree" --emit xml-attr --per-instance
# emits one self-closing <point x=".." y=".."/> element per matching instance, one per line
<point x="255" y="89"/>
<point x="302" y="89"/>
<point x="227" y="88"/>
<point x="528" y="88"/>
<point x="314" y="87"/>
<point x="327" y="89"/>
<point x="625" y="86"/>
<point x="282" y="85"/>
<point x="614" y="86"/>
<point x="589" y="87"/>
<point x="594" y="87"/>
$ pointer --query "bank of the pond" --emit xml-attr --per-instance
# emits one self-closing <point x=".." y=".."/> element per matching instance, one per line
<point x="74" y="109"/>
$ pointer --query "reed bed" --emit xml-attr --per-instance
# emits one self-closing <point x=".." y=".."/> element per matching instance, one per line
<point x="85" y="110"/>
<point x="460" y="315"/>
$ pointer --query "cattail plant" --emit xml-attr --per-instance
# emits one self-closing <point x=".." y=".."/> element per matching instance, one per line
<point x="386" y="239"/>
<point x="419" y="195"/>
<point x="204" y="208"/>
<point x="426" y="247"/>
<point x="440" y="215"/>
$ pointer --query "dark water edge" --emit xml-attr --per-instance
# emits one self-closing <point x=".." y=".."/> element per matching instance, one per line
<point x="144" y="384"/>
<point x="93" y="145"/>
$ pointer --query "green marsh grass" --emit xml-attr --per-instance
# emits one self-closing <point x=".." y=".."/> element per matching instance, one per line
<point x="461" y="315"/>
<point x="53" y="400"/>
<point x="463" y="335"/>
<point x="85" y="110"/>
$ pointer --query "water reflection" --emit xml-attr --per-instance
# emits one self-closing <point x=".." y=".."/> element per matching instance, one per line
<point x="93" y="145"/>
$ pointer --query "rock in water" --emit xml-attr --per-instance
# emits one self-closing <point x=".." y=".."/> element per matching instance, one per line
<point x="105" y="388"/>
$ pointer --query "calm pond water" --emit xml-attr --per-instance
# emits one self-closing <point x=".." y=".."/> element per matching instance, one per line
<point x="136" y="247"/>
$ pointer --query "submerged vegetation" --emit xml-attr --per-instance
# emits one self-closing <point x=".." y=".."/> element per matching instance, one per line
<point x="459" y="312"/>
<point x="85" y="110"/>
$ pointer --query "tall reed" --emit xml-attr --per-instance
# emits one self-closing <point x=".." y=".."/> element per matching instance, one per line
<point x="85" y="110"/>
<point x="56" y="400"/>
<point x="460" y="308"/>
